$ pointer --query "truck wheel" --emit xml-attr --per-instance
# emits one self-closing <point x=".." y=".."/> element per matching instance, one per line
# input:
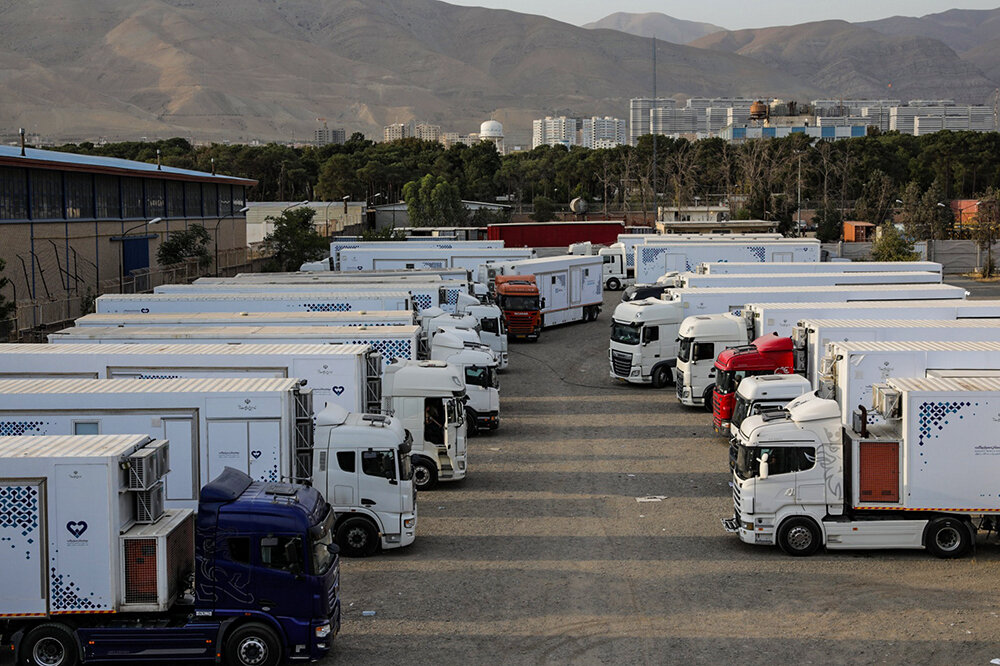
<point x="614" y="284"/>
<point x="357" y="537"/>
<point x="948" y="538"/>
<point x="661" y="376"/>
<point x="709" y="398"/>
<point x="472" y="425"/>
<point x="799" y="537"/>
<point x="425" y="475"/>
<point x="253" y="644"/>
<point x="50" y="645"/>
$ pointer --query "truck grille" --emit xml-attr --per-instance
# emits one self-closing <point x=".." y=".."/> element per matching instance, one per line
<point x="621" y="363"/>
<point x="680" y="383"/>
<point x="520" y="323"/>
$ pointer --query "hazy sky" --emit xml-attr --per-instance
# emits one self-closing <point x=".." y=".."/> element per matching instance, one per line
<point x="732" y="14"/>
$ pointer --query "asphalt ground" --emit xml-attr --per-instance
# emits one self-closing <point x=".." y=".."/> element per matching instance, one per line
<point x="543" y="555"/>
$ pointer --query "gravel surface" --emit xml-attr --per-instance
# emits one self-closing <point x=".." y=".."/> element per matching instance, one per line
<point x="543" y="554"/>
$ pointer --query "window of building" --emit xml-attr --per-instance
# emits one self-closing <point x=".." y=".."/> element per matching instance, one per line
<point x="79" y="196"/>
<point x="239" y="197"/>
<point x="175" y="199"/>
<point x="132" y="198"/>
<point x="192" y="199"/>
<point x="13" y="193"/>
<point x="225" y="199"/>
<point x="46" y="194"/>
<point x="210" y="196"/>
<point x="108" y="203"/>
<point x="155" y="198"/>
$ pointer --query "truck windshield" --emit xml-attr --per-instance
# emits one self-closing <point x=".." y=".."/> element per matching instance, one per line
<point x="490" y="325"/>
<point x="626" y="334"/>
<point x="727" y="381"/>
<point x="479" y="375"/>
<point x="405" y="469"/>
<point x="746" y="461"/>
<point x="322" y="558"/>
<point x="684" y="349"/>
<point x="520" y="303"/>
<point x="740" y="411"/>
<point x="781" y="459"/>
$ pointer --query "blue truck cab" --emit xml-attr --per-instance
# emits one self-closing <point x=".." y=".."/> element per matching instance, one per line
<point x="266" y="577"/>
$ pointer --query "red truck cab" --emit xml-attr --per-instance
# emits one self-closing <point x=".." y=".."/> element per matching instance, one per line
<point x="517" y="297"/>
<point x="767" y="355"/>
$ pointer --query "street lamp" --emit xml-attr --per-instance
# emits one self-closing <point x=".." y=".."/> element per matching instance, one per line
<point x="121" y="250"/>
<point x="215" y="233"/>
<point x="294" y="205"/>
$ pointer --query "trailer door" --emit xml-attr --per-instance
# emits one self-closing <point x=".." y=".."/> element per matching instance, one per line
<point x="252" y="447"/>
<point x="575" y="285"/>
<point x="22" y="531"/>
<point x="182" y="481"/>
<point x="782" y="257"/>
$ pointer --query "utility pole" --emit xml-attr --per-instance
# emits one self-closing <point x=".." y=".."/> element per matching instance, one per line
<point x="651" y="114"/>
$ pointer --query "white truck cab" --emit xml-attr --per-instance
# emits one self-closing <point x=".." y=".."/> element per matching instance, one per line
<point x="616" y="272"/>
<point x="481" y="380"/>
<point x="764" y="393"/>
<point x="361" y="464"/>
<point x="492" y="329"/>
<point x="428" y="397"/>
<point x="700" y="340"/>
<point x="643" y="347"/>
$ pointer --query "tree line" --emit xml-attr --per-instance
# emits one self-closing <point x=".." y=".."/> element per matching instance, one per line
<point x="873" y="178"/>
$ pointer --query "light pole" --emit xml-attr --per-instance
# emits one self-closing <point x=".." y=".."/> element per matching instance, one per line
<point x="121" y="251"/>
<point x="216" y="234"/>
<point x="371" y="202"/>
<point x="798" y="204"/>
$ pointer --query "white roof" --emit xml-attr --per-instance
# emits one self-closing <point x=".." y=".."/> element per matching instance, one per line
<point x="111" y="386"/>
<point x="952" y="303"/>
<point x="847" y="347"/>
<point x="939" y="384"/>
<point x="188" y="350"/>
<point x="319" y="317"/>
<point x="234" y="332"/>
<point x="822" y="289"/>
<point x="901" y="323"/>
<point x="70" y="446"/>
<point x="257" y="296"/>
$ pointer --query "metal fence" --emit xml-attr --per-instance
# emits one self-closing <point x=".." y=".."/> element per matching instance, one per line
<point x="956" y="256"/>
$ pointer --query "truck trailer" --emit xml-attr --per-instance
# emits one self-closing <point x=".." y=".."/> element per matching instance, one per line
<point x="649" y="356"/>
<point x="653" y="260"/>
<point x="283" y="302"/>
<point x="358" y="318"/>
<point x="570" y="287"/>
<point x="923" y="479"/>
<point x="764" y="268"/>
<point x="694" y="280"/>
<point x="415" y="243"/>
<point x="556" y="234"/>
<point x="97" y="570"/>
<point x="346" y="375"/>
<point x="379" y="258"/>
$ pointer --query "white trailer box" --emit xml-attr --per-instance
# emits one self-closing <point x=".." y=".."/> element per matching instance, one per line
<point x="781" y="318"/>
<point x="356" y="318"/>
<point x="763" y="268"/>
<point x="811" y="337"/>
<point x="262" y="427"/>
<point x="429" y="243"/>
<point x="392" y="342"/>
<point x="349" y="376"/>
<point x="852" y="368"/>
<point x="629" y="241"/>
<point x="377" y="258"/>
<point x="570" y="286"/>
<point x="654" y="260"/>
<point x="71" y="519"/>
<point x="695" y="280"/>
<point x="283" y="302"/>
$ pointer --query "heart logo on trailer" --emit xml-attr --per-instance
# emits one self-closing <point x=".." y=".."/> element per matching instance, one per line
<point x="338" y="390"/>
<point x="255" y="454"/>
<point x="76" y="528"/>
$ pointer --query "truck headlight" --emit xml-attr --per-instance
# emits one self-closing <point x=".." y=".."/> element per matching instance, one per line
<point x="323" y="630"/>
<point x="409" y="522"/>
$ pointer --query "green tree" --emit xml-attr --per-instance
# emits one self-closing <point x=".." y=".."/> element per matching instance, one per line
<point x="294" y="241"/>
<point x="191" y="243"/>
<point x="434" y="202"/>
<point x="890" y="245"/>
<point x="385" y="234"/>
<point x="829" y="224"/>
<point x="545" y="210"/>
<point x="877" y="198"/>
<point x="986" y="231"/>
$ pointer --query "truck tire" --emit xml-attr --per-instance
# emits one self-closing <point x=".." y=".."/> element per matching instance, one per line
<point x="799" y="537"/>
<point x="425" y="474"/>
<point x="253" y="644"/>
<point x="709" y="398"/>
<point x="50" y="644"/>
<point x="948" y="538"/>
<point x="661" y="376"/>
<point x="614" y="284"/>
<point x="357" y="537"/>
<point x="471" y="424"/>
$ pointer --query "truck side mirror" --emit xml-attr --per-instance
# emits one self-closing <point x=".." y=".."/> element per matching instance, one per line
<point x="543" y="302"/>
<point x="764" y="465"/>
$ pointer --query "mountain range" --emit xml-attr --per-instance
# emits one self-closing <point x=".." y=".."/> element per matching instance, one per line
<point x="246" y="70"/>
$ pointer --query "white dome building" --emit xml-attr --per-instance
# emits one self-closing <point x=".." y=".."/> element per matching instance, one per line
<point x="492" y="130"/>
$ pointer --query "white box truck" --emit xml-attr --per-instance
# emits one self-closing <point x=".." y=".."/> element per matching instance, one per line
<point x="357" y="318"/>
<point x="390" y="341"/>
<point x="283" y="302"/>
<point x="644" y="334"/>
<point x="653" y="260"/>
<point x="570" y="287"/>
<point x="926" y="478"/>
<point x="379" y="258"/>
<point x="95" y="571"/>
<point x="763" y="268"/>
<point x="338" y="246"/>
<point x="349" y="376"/>
<point x="260" y="426"/>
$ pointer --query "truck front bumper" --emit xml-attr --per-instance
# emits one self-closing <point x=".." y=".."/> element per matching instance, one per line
<point x="487" y="420"/>
<point x="408" y="525"/>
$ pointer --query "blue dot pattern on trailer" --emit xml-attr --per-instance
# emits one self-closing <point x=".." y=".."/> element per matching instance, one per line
<point x="934" y="416"/>
<point x="67" y="595"/>
<point x="451" y="296"/>
<point x="141" y="376"/>
<point x="18" y="428"/>
<point x="19" y="514"/>
<point x="389" y="348"/>
<point x="758" y="251"/>
<point x="649" y="254"/>
<point x="423" y="301"/>
<point x="327" y="307"/>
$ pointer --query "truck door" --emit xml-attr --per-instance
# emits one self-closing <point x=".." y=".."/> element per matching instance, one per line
<point x="557" y="298"/>
<point x="280" y="587"/>
<point x="575" y="285"/>
<point x="182" y="481"/>
<point x="22" y="532"/>
<point x="378" y="486"/>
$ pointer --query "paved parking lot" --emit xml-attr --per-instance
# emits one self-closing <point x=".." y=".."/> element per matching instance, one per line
<point x="544" y="555"/>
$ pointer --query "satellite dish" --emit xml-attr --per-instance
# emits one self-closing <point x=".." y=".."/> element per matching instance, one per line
<point x="578" y="206"/>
